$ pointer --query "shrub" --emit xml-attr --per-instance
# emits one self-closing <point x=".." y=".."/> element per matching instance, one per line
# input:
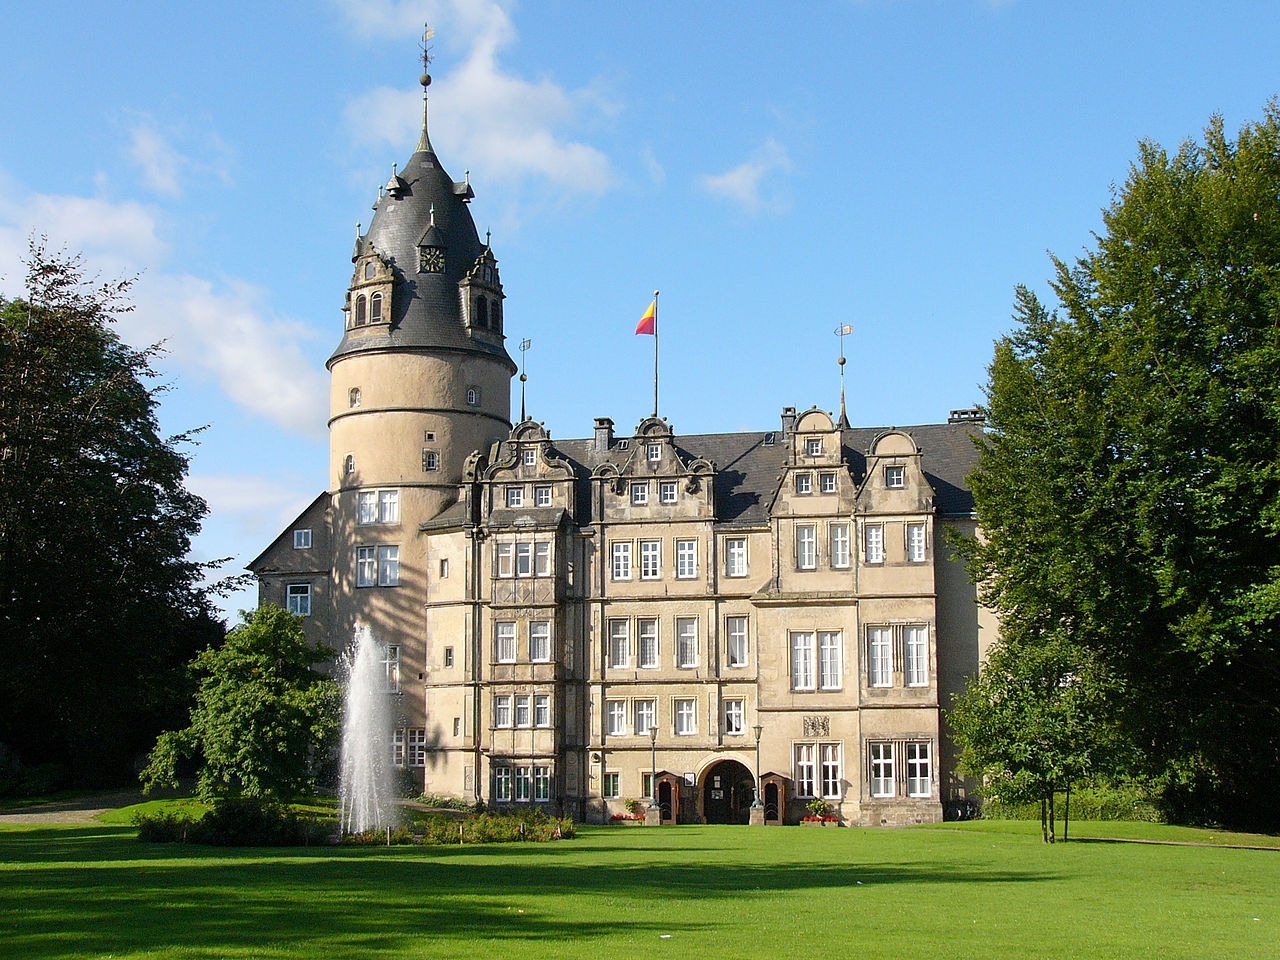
<point x="1096" y="801"/>
<point x="234" y="822"/>
<point x="444" y="802"/>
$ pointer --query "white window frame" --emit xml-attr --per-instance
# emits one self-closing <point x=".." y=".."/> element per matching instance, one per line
<point x="640" y="494"/>
<point x="430" y="461"/>
<point x="804" y="667"/>
<point x="873" y="542"/>
<point x="619" y="641"/>
<point x="504" y="641"/>
<point x="838" y="537"/>
<point x="647" y="648"/>
<point x="915" y="543"/>
<point x="541" y="784"/>
<point x="830" y="771"/>
<point x="502" y="710"/>
<point x="542" y="558"/>
<point x="827" y="483"/>
<point x="529" y="457"/>
<point x="830" y="660"/>
<point x="391" y="667"/>
<point x="302" y="538"/>
<point x="298" y="599"/>
<point x="611" y="785"/>
<point x="540" y="641"/>
<point x="668" y="491"/>
<point x="919" y="770"/>
<point x="880" y="768"/>
<point x="366" y="566"/>
<point x="397" y="748"/>
<point x="806" y="546"/>
<point x="654" y="451"/>
<point x="523" y="784"/>
<point x="879" y="657"/>
<point x="377" y="506"/>
<point x="805" y="770"/>
<point x="895" y="476"/>
<point x="804" y="484"/>
<point x="388" y="506"/>
<point x="686" y="643"/>
<point x="514" y="496"/>
<point x="524" y="559"/>
<point x="542" y="496"/>
<point x="615" y="718"/>
<point x="684" y="712"/>
<point x="416" y="747"/>
<point x="505" y="559"/>
<point x="389" y="566"/>
<point x="645" y="713"/>
<point x="542" y="710"/>
<point x="915" y="650"/>
<point x="737" y="644"/>
<point x="620" y="557"/>
<point x="735" y="717"/>
<point x="735" y="556"/>
<point x="522" y="714"/>
<point x="813" y="447"/>
<point x="650" y="559"/>
<point x="686" y="559"/>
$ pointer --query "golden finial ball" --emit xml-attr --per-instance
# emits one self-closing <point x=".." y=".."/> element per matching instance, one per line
<point x="523" y="378"/>
<point x="425" y="79"/>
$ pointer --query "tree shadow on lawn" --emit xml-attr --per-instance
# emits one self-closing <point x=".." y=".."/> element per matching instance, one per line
<point x="125" y="895"/>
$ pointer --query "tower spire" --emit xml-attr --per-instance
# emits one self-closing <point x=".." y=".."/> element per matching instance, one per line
<point x="424" y="142"/>
<point x="841" y="331"/>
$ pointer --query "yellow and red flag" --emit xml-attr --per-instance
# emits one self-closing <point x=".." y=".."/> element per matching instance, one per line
<point x="647" y="321"/>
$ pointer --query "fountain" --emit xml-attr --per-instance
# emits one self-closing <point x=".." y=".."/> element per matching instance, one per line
<point x="365" y="793"/>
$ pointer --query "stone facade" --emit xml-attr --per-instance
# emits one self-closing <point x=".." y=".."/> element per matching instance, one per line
<point x="564" y="619"/>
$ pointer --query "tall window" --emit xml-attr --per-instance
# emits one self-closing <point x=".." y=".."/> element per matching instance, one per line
<point x="349" y="465"/>
<point x="736" y="630"/>
<point x="829" y="659"/>
<point x="353" y="397"/>
<point x="916" y="646"/>
<point x="361" y="308"/>
<point x="540" y="641"/>
<point x="430" y="461"/>
<point x="829" y="769"/>
<point x="506" y="553"/>
<point x="667" y="491"/>
<point x="619" y="643"/>
<point x="611" y="786"/>
<point x="881" y="757"/>
<point x="919" y="774"/>
<point x="502" y="710"/>
<point x="806" y="547"/>
<point x="524" y="716"/>
<point x="524" y="559"/>
<point x="541" y="784"/>
<point x="686" y="559"/>
<point x="542" y="558"/>
<point x="735" y="557"/>
<point x="417" y="746"/>
<point x="647" y="630"/>
<point x="735" y="717"/>
<point x="874" y="543"/>
<point x="646" y="716"/>
<point x="650" y="559"/>
<point x="686" y="642"/>
<point x="504" y="633"/>
<point x="686" y="717"/>
<point x="473" y="396"/>
<point x="839" y="545"/>
<point x="806" y="785"/>
<point x="615" y="717"/>
<point x="879" y="656"/>
<point x="298" y="599"/>
<point x="622" y="561"/>
<point x="915" y="542"/>
<point x="542" y="710"/>
<point x="375" y="308"/>
<point x="388" y="566"/>
<point x="802" y="661"/>
<point x="397" y="748"/>
<point x="502" y="784"/>
<point x="366" y="566"/>
<point x="522" y="784"/>
<point x="895" y="477"/>
<point x="391" y="667"/>
<point x="640" y="494"/>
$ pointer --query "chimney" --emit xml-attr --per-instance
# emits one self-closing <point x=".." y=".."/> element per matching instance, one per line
<point x="788" y="420"/>
<point x="604" y="436"/>
<point x="969" y="415"/>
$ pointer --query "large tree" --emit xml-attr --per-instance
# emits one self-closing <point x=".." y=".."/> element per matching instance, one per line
<point x="100" y="606"/>
<point x="1129" y="484"/>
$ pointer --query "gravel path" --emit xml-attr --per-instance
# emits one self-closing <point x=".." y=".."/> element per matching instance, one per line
<point x="80" y="810"/>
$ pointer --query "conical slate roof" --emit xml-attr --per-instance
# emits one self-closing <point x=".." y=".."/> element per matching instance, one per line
<point x="424" y="207"/>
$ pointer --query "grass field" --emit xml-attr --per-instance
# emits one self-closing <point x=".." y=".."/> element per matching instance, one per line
<point x="974" y="890"/>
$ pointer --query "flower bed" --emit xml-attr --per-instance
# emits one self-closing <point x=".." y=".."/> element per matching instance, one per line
<point x="627" y="818"/>
<point x="821" y="821"/>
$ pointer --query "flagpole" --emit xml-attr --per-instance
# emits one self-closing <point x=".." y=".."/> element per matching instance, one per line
<point x="655" y="354"/>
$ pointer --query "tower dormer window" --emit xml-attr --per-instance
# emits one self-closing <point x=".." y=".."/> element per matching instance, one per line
<point x="482" y="312"/>
<point x="895" y="477"/>
<point x="361" y="307"/>
<point x="369" y="269"/>
<point x="495" y="316"/>
<point x="375" y="308"/>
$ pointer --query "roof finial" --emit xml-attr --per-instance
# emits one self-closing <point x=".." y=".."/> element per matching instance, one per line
<point x="487" y="235"/>
<point x="842" y="331"/>
<point x="424" y="142"/>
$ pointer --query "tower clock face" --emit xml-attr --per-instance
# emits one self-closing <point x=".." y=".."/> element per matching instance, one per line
<point x="430" y="260"/>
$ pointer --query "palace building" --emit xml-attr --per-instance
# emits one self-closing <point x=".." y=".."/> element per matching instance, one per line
<point x="650" y="616"/>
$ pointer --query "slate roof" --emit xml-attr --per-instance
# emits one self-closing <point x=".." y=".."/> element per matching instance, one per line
<point x="425" y="307"/>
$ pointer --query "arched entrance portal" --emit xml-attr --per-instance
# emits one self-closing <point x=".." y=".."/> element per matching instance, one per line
<point x="728" y="788"/>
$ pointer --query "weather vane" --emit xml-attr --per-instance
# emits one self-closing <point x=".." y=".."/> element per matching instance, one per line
<point x="842" y="331"/>
<point x="524" y="345"/>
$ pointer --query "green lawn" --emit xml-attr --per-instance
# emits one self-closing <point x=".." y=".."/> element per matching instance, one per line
<point x="973" y="890"/>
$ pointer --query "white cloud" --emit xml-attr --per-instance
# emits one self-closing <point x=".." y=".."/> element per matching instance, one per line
<point x="260" y="506"/>
<point x="220" y="330"/>
<point x="657" y="173"/>
<point x="750" y="185"/>
<point x="508" y="128"/>
<point x="161" y="164"/>
<point x="165" y="169"/>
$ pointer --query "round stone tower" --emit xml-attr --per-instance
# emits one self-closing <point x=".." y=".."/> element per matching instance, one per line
<point x="420" y="380"/>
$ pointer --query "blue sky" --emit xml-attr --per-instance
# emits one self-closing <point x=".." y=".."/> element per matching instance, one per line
<point x="774" y="169"/>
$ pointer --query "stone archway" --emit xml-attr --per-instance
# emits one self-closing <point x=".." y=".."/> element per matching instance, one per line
<point x="728" y="789"/>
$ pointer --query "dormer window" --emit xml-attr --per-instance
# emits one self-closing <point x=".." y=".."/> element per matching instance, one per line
<point x="482" y="312"/>
<point x="375" y="308"/>
<point x="895" y="478"/>
<point x="530" y="457"/>
<point x="360" y="311"/>
<point x="827" y="482"/>
<point x="804" y="483"/>
<point x="369" y="269"/>
<point x="813" y="446"/>
<point x="655" y="451"/>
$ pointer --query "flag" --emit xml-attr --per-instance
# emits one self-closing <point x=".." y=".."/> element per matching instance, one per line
<point x="647" y="321"/>
<point x="844" y="330"/>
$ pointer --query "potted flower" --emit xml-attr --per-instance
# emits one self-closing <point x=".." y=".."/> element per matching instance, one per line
<point x="820" y="814"/>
